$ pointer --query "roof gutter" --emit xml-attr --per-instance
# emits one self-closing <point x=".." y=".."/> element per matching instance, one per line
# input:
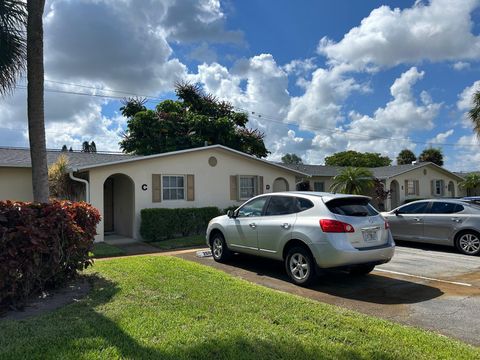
<point x="87" y="185"/>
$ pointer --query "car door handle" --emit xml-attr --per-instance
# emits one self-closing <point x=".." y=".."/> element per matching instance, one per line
<point x="285" y="226"/>
<point x="457" y="220"/>
<point x="253" y="225"/>
<point x="416" y="219"/>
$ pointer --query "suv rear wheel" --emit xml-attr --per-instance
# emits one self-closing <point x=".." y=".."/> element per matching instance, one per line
<point x="300" y="266"/>
<point x="220" y="251"/>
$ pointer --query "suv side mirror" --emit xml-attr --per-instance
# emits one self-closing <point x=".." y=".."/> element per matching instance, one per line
<point x="231" y="214"/>
<point x="396" y="212"/>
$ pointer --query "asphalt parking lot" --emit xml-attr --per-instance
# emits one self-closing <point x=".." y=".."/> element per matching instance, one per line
<point x="425" y="286"/>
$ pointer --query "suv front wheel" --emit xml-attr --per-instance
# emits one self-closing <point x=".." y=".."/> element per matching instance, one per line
<point x="220" y="251"/>
<point x="300" y="266"/>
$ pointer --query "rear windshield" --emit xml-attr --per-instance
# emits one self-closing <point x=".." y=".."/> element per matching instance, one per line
<point x="351" y="207"/>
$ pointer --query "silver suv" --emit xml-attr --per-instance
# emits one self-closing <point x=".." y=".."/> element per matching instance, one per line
<point x="306" y="230"/>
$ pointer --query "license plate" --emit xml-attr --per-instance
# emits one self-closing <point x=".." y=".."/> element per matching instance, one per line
<point x="370" y="236"/>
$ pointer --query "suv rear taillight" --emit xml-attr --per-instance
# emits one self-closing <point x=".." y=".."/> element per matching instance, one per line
<point x="387" y="225"/>
<point x="335" y="226"/>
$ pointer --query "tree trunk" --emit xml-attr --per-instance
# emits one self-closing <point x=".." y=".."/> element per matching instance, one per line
<point x="36" y="116"/>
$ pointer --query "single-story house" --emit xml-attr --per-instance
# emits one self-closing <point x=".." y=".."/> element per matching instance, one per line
<point x="120" y="186"/>
<point x="404" y="182"/>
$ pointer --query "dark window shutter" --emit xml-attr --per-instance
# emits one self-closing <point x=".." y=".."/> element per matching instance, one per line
<point x="156" y="188"/>
<point x="234" y="187"/>
<point x="417" y="187"/>
<point x="190" y="187"/>
<point x="260" y="185"/>
<point x="406" y="187"/>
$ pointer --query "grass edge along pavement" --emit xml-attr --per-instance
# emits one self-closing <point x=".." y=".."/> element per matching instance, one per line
<point x="180" y="243"/>
<point x="169" y="308"/>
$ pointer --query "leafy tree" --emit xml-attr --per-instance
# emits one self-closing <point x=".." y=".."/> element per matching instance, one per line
<point x="357" y="159"/>
<point x="292" y="159"/>
<point x="405" y="157"/>
<point x="474" y="113"/>
<point x="70" y="150"/>
<point x="193" y="120"/>
<point x="89" y="147"/>
<point x="470" y="183"/>
<point x="432" y="155"/>
<point x="64" y="148"/>
<point x="353" y="180"/>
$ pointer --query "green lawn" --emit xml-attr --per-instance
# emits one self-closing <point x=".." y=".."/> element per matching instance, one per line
<point x="189" y="241"/>
<point x="155" y="307"/>
<point x="101" y="250"/>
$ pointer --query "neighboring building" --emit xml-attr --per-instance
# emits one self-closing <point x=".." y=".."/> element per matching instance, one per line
<point x="120" y="186"/>
<point x="405" y="182"/>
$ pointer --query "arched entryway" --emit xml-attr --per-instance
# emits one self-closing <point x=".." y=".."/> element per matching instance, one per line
<point x="280" y="184"/>
<point x="118" y="205"/>
<point x="451" y="189"/>
<point x="394" y="194"/>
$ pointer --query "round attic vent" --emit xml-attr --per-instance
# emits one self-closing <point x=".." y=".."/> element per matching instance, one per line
<point x="212" y="161"/>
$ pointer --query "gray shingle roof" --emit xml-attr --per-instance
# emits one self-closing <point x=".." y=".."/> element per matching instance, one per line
<point x="381" y="173"/>
<point x="20" y="157"/>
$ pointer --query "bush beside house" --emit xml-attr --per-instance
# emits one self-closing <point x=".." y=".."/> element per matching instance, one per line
<point x="160" y="224"/>
<point x="42" y="246"/>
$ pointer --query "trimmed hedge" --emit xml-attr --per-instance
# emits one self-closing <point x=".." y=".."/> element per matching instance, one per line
<point x="42" y="246"/>
<point x="161" y="224"/>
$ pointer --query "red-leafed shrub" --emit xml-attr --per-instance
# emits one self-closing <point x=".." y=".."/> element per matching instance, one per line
<point x="42" y="246"/>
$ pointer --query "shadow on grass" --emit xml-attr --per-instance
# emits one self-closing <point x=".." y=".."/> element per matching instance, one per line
<point x="371" y="288"/>
<point x="81" y="330"/>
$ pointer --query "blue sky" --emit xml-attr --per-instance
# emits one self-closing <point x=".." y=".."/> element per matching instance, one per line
<point x="374" y="76"/>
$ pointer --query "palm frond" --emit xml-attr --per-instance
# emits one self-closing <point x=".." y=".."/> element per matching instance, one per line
<point x="13" y="44"/>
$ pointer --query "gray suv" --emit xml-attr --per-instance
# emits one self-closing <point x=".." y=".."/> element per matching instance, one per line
<point x="306" y="230"/>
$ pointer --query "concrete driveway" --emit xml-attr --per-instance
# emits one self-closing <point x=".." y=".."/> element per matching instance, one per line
<point x="425" y="286"/>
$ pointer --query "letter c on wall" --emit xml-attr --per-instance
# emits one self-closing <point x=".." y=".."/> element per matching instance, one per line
<point x="144" y="187"/>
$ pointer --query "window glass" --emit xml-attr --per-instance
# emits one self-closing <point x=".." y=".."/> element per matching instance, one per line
<point x="248" y="187"/>
<point x="411" y="187"/>
<point x="351" y="207"/>
<point x="445" y="208"/>
<point x="438" y="187"/>
<point x="252" y="208"/>
<point x="173" y="187"/>
<point x="416" y="208"/>
<point x="319" y="186"/>
<point x="280" y="205"/>
<point x="303" y="204"/>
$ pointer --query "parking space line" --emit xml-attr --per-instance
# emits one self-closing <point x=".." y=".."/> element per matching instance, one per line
<point x="423" y="277"/>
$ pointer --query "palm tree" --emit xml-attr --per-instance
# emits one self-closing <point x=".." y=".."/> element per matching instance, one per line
<point x="474" y="113"/>
<point x="353" y="180"/>
<point x="13" y="43"/>
<point x="35" y="105"/>
<point x="470" y="183"/>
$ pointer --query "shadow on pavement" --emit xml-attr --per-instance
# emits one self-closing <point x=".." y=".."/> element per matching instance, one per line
<point x="371" y="288"/>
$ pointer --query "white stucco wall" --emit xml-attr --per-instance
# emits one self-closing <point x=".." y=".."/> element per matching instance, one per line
<point x="212" y="184"/>
<point x="16" y="184"/>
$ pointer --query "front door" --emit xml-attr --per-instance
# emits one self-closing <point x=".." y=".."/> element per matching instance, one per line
<point x="241" y="231"/>
<point x="407" y="223"/>
<point x="108" y="205"/>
